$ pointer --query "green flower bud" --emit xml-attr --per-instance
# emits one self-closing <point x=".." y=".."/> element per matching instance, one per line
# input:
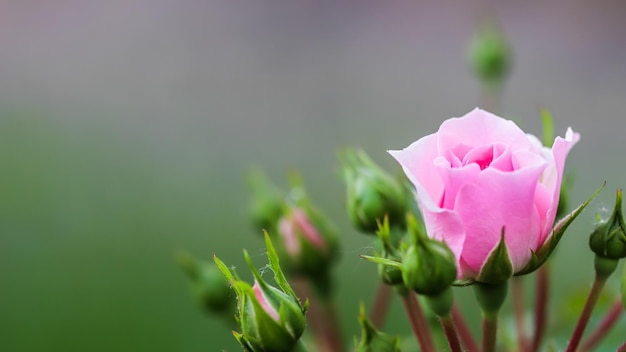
<point x="208" y="285"/>
<point x="372" y="194"/>
<point x="428" y="266"/>
<point x="609" y="238"/>
<point x="267" y="202"/>
<point x="490" y="55"/>
<point x="373" y="340"/>
<point x="308" y="242"/>
<point x="271" y="319"/>
<point x="389" y="274"/>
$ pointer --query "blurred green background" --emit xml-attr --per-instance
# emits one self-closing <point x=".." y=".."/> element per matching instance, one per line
<point x="126" y="129"/>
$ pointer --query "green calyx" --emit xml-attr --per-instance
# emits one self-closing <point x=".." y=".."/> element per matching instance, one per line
<point x="498" y="267"/>
<point x="371" y="193"/>
<point x="441" y="303"/>
<point x="542" y="254"/>
<point x="373" y="340"/>
<point x="424" y="265"/>
<point x="604" y="266"/>
<point x="609" y="238"/>
<point x="428" y="266"/>
<point x="490" y="297"/>
<point x="271" y="319"/>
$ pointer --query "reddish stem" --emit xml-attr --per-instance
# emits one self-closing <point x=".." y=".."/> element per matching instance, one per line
<point x="332" y="330"/>
<point x="453" y="338"/>
<point x="490" y="330"/>
<point x="541" y="303"/>
<point x="418" y="322"/>
<point x="464" y="332"/>
<point x="314" y="315"/>
<point x="518" y="307"/>
<point x="596" y="288"/>
<point x="622" y="347"/>
<point x="381" y="304"/>
<point x="611" y="317"/>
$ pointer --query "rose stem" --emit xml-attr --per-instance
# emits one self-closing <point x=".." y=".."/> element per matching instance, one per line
<point x="596" y="288"/>
<point x="490" y="298"/>
<point x="380" y="307"/>
<point x="491" y="98"/>
<point x="464" y="332"/>
<point x="453" y="338"/>
<point x="334" y="338"/>
<point x="605" y="326"/>
<point x="490" y="329"/>
<point x="331" y="329"/>
<point x="418" y="322"/>
<point x="518" y="307"/>
<point x="622" y="347"/>
<point x="541" y="303"/>
<point x="314" y="316"/>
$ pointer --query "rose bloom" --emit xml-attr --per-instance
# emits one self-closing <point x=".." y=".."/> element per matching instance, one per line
<point x="480" y="173"/>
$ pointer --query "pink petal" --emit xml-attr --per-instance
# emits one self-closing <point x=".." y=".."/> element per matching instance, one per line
<point x="258" y="293"/>
<point x="500" y="199"/>
<point x="479" y="127"/>
<point x="417" y="162"/>
<point x="560" y="149"/>
<point x="444" y="225"/>
<point x="453" y="179"/>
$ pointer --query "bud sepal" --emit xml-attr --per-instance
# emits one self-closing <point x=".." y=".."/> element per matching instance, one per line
<point x="609" y="238"/>
<point x="372" y="340"/>
<point x="271" y="319"/>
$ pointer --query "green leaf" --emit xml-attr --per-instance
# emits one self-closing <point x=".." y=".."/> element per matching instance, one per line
<point x="548" y="127"/>
<point x="224" y="269"/>
<point x="498" y="267"/>
<point x="279" y="276"/>
<point x="383" y="261"/>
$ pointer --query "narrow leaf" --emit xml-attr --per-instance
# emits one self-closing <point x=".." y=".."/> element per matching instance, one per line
<point x="548" y="127"/>
<point x="279" y="276"/>
<point x="383" y="261"/>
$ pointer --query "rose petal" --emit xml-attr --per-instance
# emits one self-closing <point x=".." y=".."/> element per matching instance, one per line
<point x="444" y="225"/>
<point x="560" y="149"/>
<point x="417" y="162"/>
<point x="453" y="178"/>
<point x="500" y="199"/>
<point x="479" y="127"/>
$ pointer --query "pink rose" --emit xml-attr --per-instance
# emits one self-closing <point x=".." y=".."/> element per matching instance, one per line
<point x="480" y="173"/>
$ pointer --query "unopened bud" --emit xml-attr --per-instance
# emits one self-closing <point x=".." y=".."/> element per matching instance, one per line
<point x="208" y="285"/>
<point x="308" y="242"/>
<point x="272" y="319"/>
<point x="428" y="266"/>
<point x="490" y="55"/>
<point x="372" y="193"/>
<point x="266" y="204"/>
<point x="609" y="238"/>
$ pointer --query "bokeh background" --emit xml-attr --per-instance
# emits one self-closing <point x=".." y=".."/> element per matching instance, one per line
<point x="127" y="127"/>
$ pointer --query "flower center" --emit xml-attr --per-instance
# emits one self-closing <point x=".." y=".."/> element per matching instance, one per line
<point x="483" y="156"/>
